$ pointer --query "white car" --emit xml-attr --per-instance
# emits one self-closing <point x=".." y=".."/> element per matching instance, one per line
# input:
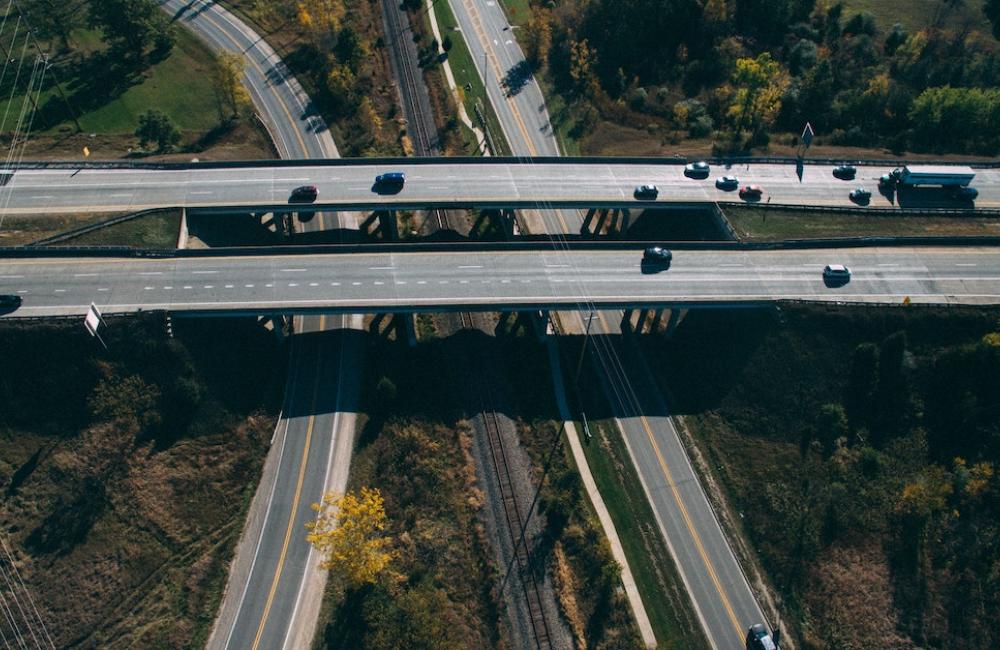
<point x="836" y="272"/>
<point x="727" y="183"/>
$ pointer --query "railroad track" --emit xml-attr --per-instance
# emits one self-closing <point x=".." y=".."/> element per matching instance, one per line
<point x="419" y="125"/>
<point x="522" y="561"/>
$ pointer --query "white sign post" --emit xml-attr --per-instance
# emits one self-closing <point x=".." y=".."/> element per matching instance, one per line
<point x="807" y="135"/>
<point x="92" y="321"/>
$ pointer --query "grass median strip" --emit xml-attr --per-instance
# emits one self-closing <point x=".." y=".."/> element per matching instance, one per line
<point x="763" y="224"/>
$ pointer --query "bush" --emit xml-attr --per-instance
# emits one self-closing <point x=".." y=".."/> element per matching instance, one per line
<point x="155" y="126"/>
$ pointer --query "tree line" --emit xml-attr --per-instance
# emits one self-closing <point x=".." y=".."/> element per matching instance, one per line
<point x="741" y="69"/>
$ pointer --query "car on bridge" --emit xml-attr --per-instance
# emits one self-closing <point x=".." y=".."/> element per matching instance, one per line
<point x="751" y="192"/>
<point x="304" y="194"/>
<point x="655" y="258"/>
<point x="646" y="192"/>
<point x="845" y="172"/>
<point x="9" y="302"/>
<point x="836" y="274"/>
<point x="727" y="183"/>
<point x="390" y="182"/>
<point x="699" y="169"/>
<point x="860" y="195"/>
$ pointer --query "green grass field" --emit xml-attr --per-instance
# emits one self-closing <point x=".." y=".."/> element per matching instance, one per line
<point x="180" y="86"/>
<point x="154" y="230"/>
<point x="760" y="224"/>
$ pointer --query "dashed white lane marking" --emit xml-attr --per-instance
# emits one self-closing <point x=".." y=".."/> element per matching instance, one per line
<point x="293" y="284"/>
<point x="202" y="192"/>
<point x="168" y="287"/>
<point x="966" y="264"/>
<point x="148" y="288"/>
<point x="379" y="282"/>
<point x="60" y="291"/>
<point x="400" y="281"/>
<point x="293" y="270"/>
<point x="471" y="266"/>
<point x="229" y="286"/>
<point x="269" y="284"/>
<point x="421" y="281"/>
<point x="84" y="275"/>
<point x="334" y="284"/>
<point x="357" y="284"/>
<point x="26" y="291"/>
<point x="248" y="286"/>
<point x="888" y="264"/>
<point x="203" y="272"/>
<point x="104" y="289"/>
<point x="557" y="266"/>
<point x="381" y="268"/>
<point x="11" y="277"/>
<point x="314" y="284"/>
<point x="730" y="265"/>
<point x="150" y="273"/>
<point x="188" y="286"/>
<point x="463" y="282"/>
<point x="120" y="195"/>
<point x="43" y="196"/>
<point x="209" y="286"/>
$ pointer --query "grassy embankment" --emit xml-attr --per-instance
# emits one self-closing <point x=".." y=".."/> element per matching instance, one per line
<point x="417" y="449"/>
<point x="127" y="471"/>
<point x="108" y="99"/>
<point x="858" y="461"/>
<point x="761" y="224"/>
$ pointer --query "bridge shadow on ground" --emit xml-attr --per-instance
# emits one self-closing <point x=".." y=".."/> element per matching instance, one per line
<point x="317" y="385"/>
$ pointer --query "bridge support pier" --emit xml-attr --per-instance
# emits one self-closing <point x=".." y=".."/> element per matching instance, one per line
<point x="399" y="326"/>
<point x="523" y="321"/>
<point x="677" y="315"/>
<point x="280" y="325"/>
<point x="613" y="222"/>
<point x="387" y="227"/>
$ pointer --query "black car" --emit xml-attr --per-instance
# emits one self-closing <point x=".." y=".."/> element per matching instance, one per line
<point x="646" y="192"/>
<point x="389" y="183"/>
<point x="700" y="169"/>
<point x="304" y="194"/>
<point x="657" y="256"/>
<point x="845" y="172"/>
<point x="860" y="195"/>
<point x="10" y="301"/>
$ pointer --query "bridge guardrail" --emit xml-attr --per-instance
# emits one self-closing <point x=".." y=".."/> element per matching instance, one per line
<point x="477" y="246"/>
<point x="958" y="212"/>
<point x="488" y="160"/>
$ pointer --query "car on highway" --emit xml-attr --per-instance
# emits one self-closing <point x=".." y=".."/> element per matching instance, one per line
<point x="304" y="194"/>
<point x="845" y="172"/>
<point x="727" y="183"/>
<point x="758" y="638"/>
<point x="836" y="274"/>
<point x="646" y="192"/>
<point x="390" y="179"/>
<point x="964" y="194"/>
<point x="9" y="301"/>
<point x="700" y="169"/>
<point x="656" y="257"/>
<point x="860" y="195"/>
<point x="751" y="192"/>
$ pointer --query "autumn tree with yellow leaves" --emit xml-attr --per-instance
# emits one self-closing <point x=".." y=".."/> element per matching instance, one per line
<point x="349" y="533"/>
<point x="757" y="86"/>
<point x="232" y="95"/>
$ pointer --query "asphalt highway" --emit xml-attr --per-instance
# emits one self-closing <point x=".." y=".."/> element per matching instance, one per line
<point x="275" y="586"/>
<point x="444" y="184"/>
<point x="581" y="280"/>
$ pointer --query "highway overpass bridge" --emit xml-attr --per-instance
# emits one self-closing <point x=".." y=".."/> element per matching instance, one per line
<point x="348" y="184"/>
<point x="493" y="280"/>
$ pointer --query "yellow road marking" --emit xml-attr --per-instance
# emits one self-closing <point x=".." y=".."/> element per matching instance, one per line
<point x="690" y="526"/>
<point x="295" y="508"/>
<point x="477" y="23"/>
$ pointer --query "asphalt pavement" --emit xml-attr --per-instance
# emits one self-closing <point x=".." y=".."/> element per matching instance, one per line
<point x="444" y="184"/>
<point x="572" y="280"/>
<point x="275" y="586"/>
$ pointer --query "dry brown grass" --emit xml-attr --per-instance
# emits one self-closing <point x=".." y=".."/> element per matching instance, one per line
<point x="562" y="576"/>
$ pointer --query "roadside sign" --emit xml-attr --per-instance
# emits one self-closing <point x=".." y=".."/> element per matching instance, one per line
<point x="807" y="134"/>
<point x="92" y="321"/>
